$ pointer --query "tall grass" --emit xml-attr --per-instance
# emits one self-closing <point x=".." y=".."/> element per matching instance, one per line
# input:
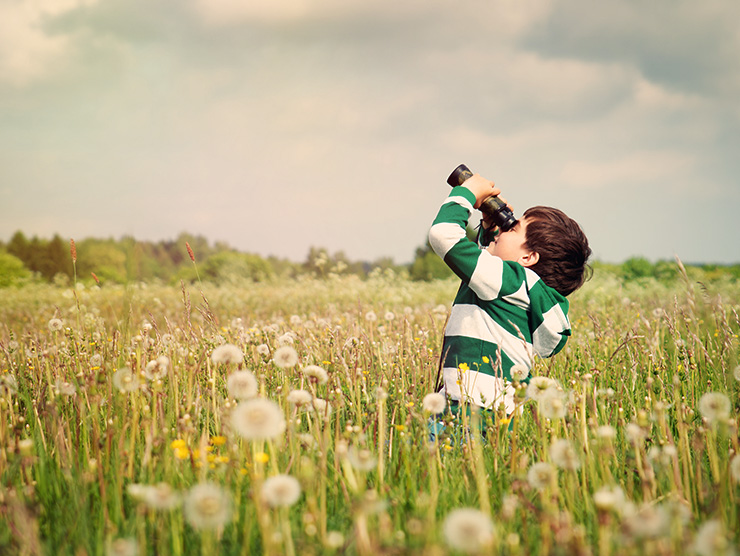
<point x="626" y="455"/>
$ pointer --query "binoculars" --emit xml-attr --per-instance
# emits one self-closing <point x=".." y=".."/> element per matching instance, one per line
<point x="493" y="206"/>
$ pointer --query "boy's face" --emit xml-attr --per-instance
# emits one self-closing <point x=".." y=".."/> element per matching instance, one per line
<point x="509" y="245"/>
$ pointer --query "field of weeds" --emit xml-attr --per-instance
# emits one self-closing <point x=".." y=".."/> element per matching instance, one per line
<point x="294" y="418"/>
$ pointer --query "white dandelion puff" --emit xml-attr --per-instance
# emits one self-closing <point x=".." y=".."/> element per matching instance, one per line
<point x="735" y="468"/>
<point x="207" y="506"/>
<point x="242" y="385"/>
<point x="227" y="354"/>
<point x="634" y="433"/>
<point x="281" y="491"/>
<point x="518" y="373"/>
<point x="285" y="357"/>
<point x="122" y="547"/>
<point x="64" y="388"/>
<point x="370" y="316"/>
<point x="434" y="403"/>
<point x="258" y="419"/>
<point x="541" y="475"/>
<point x="263" y="350"/>
<point x="316" y="374"/>
<point x="711" y="540"/>
<point x="647" y="522"/>
<point x="552" y="404"/>
<point x="468" y="530"/>
<point x="564" y="455"/>
<point x="125" y="380"/>
<point x="715" y="406"/>
<point x="389" y="316"/>
<point x="322" y="407"/>
<point x="157" y="368"/>
<point x="299" y="397"/>
<point x="609" y="498"/>
<point x="736" y="373"/>
<point x="55" y="325"/>
<point x="539" y="385"/>
<point x="161" y="497"/>
<point x="286" y="339"/>
<point x="361" y="459"/>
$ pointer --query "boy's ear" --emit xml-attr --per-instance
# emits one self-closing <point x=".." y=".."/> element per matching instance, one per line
<point x="530" y="259"/>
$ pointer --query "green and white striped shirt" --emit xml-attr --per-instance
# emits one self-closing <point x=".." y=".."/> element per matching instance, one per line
<point x="503" y="314"/>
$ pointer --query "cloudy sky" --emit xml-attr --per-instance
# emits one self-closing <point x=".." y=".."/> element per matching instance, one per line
<point x="277" y="125"/>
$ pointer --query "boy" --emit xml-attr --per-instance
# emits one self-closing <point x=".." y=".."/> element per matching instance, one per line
<point x="511" y="304"/>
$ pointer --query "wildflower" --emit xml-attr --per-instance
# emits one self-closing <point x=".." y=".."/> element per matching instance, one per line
<point x="299" y="397"/>
<point x="125" y="380"/>
<point x="64" y="388"/>
<point x="518" y="373"/>
<point x="227" y="353"/>
<point x="285" y="357"/>
<point x="735" y="468"/>
<point x="137" y="491"/>
<point x="606" y="432"/>
<point x="389" y="316"/>
<point x="258" y="419"/>
<point x="552" y="404"/>
<point x="564" y="455"/>
<point x="634" y="433"/>
<point x="8" y="384"/>
<point x="736" y="373"/>
<point x="314" y="373"/>
<point x="370" y="316"/>
<point x="361" y="459"/>
<point x="207" y="506"/>
<point x="281" y="491"/>
<point x="539" y="385"/>
<point x="286" y="339"/>
<point x="541" y="475"/>
<point x="715" y="406"/>
<point x="241" y="385"/>
<point x="322" y="407"/>
<point x="25" y="446"/>
<point x="609" y="498"/>
<point x="711" y="540"/>
<point x="647" y="522"/>
<point x="218" y="440"/>
<point x="123" y="547"/>
<point x="334" y="540"/>
<point x="157" y="369"/>
<point x="468" y="530"/>
<point x="295" y="320"/>
<point x="55" y="325"/>
<point x="434" y="403"/>
<point x="263" y="350"/>
<point x="261" y="457"/>
<point x="161" y="497"/>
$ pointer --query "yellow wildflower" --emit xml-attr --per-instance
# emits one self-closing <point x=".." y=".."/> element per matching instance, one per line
<point x="261" y="457"/>
<point x="463" y="367"/>
<point x="218" y="440"/>
<point x="182" y="453"/>
<point x="179" y="443"/>
<point x="486" y="359"/>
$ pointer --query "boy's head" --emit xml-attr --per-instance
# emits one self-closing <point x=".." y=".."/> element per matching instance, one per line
<point x="551" y="244"/>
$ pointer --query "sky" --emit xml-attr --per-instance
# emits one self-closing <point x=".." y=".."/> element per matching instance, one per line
<point x="278" y="125"/>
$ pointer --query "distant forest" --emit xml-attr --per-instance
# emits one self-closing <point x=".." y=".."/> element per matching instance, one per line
<point x="56" y="260"/>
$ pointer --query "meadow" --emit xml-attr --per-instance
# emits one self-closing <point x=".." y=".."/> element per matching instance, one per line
<point x="292" y="417"/>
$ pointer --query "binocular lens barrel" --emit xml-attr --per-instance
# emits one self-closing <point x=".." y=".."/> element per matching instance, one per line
<point x="493" y="206"/>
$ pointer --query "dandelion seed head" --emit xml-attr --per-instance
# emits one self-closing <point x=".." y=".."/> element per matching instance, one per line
<point x="606" y="432"/>
<point x="711" y="540"/>
<point x="55" y="325"/>
<point x="207" y="506"/>
<point x="64" y="388"/>
<point x="227" y="354"/>
<point x="736" y="373"/>
<point x="316" y="374"/>
<point x="263" y="350"/>
<point x="539" y="385"/>
<point x="286" y="339"/>
<point x="735" y="468"/>
<point x="389" y="316"/>
<point x="361" y="458"/>
<point x="322" y="407"/>
<point x="242" y="385"/>
<point x="434" y="403"/>
<point x="281" y="491"/>
<point x="334" y="540"/>
<point x="609" y="498"/>
<point x="299" y="398"/>
<point x="634" y="433"/>
<point x="564" y="455"/>
<point x="123" y="547"/>
<point x="370" y="316"/>
<point x="715" y="406"/>
<point x="468" y="530"/>
<point x="519" y="373"/>
<point x="285" y="357"/>
<point x="157" y="369"/>
<point x="125" y="380"/>
<point x="541" y="475"/>
<point x="258" y="419"/>
<point x="553" y="406"/>
<point x="8" y="384"/>
<point x="162" y="497"/>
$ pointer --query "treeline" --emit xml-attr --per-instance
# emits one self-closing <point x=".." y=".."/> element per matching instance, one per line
<point x="57" y="260"/>
<point x="24" y="260"/>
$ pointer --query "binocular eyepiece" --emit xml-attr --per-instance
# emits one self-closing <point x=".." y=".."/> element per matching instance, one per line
<point x="493" y="206"/>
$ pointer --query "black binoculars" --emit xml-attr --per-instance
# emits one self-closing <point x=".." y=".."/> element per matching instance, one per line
<point x="493" y="206"/>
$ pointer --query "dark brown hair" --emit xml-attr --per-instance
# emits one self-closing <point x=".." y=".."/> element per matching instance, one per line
<point x="562" y="248"/>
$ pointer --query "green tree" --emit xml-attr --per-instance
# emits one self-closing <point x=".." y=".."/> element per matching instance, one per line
<point x="232" y="267"/>
<point x="637" y="267"/>
<point x="12" y="271"/>
<point x="427" y="265"/>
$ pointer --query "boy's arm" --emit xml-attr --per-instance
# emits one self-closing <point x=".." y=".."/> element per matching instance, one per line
<point x="484" y="273"/>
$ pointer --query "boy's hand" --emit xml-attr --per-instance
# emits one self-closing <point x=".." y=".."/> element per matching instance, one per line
<point x="481" y="188"/>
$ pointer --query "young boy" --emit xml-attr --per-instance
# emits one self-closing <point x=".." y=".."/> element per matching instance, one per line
<point x="511" y="304"/>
